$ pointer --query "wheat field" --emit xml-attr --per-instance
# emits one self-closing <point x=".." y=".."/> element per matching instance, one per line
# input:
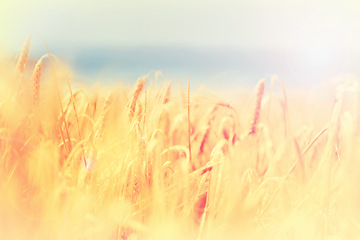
<point x="158" y="161"/>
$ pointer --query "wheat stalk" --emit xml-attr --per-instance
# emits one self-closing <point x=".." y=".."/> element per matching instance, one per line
<point x="314" y="140"/>
<point x="72" y="98"/>
<point x="284" y="103"/>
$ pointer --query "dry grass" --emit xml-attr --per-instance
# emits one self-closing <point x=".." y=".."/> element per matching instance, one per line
<point x="182" y="167"/>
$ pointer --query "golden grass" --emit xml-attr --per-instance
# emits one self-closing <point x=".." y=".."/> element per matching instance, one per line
<point x="109" y="163"/>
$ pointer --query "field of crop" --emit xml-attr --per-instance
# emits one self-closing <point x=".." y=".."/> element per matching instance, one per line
<point x="158" y="161"/>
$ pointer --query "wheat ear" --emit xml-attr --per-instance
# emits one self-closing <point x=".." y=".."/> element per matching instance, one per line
<point x="35" y="79"/>
<point x="167" y="94"/>
<point x="259" y="97"/>
<point x="62" y="119"/>
<point x="104" y="115"/>
<point x="132" y="105"/>
<point x="24" y="55"/>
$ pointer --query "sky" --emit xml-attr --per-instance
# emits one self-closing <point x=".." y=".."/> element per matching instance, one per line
<point x="316" y="34"/>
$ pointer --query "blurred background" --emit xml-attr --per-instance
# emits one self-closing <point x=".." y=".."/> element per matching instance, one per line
<point x="215" y="42"/>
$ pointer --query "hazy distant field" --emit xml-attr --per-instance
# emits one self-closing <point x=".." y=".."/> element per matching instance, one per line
<point x="213" y="67"/>
<point x="158" y="160"/>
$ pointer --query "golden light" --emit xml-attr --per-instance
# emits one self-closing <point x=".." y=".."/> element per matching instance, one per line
<point x="321" y="51"/>
<point x="154" y="160"/>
